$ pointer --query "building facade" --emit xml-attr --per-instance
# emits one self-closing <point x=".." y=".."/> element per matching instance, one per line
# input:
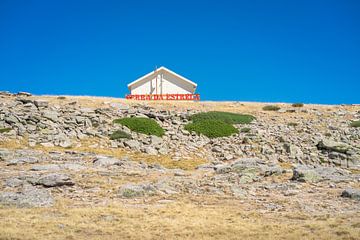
<point x="162" y="84"/>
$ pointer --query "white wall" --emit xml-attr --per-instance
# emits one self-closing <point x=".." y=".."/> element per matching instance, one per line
<point x="170" y="84"/>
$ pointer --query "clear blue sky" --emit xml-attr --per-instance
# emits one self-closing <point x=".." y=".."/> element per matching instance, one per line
<point x="254" y="50"/>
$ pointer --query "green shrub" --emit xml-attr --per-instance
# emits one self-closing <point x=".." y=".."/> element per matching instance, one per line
<point x="355" y="124"/>
<point x="297" y="105"/>
<point x="4" y="130"/>
<point x="271" y="108"/>
<point x="292" y="124"/>
<point x="142" y="125"/>
<point x="61" y="97"/>
<point x="212" y="128"/>
<point x="227" y="117"/>
<point x="245" y="130"/>
<point x="119" y="134"/>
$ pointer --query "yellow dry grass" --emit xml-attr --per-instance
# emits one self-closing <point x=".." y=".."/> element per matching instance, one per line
<point x="179" y="220"/>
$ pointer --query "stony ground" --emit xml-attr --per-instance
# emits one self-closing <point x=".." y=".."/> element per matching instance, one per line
<point x="295" y="174"/>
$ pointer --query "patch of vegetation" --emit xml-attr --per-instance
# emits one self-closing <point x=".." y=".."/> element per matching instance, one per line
<point x="142" y="125"/>
<point x="5" y="130"/>
<point x="212" y="128"/>
<point x="226" y="117"/>
<point x="61" y="97"/>
<point x="297" y="105"/>
<point x="271" y="108"/>
<point x="119" y="134"/>
<point x="292" y="124"/>
<point x="245" y="130"/>
<point x="327" y="134"/>
<point x="355" y="124"/>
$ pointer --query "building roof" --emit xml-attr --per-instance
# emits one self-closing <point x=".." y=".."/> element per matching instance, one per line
<point x="164" y="69"/>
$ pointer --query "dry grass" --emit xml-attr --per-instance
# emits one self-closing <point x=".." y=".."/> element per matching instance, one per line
<point x="180" y="220"/>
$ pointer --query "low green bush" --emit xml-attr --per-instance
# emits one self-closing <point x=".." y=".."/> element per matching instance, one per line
<point x="212" y="128"/>
<point x="119" y="134"/>
<point x="297" y="105"/>
<point x="227" y="117"/>
<point x="61" y="97"/>
<point x="142" y="125"/>
<point x="271" y="108"/>
<point x="355" y="124"/>
<point x="245" y="130"/>
<point x="292" y="124"/>
<point x="4" y="130"/>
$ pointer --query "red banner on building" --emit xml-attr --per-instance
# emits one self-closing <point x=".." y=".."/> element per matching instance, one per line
<point x="179" y="97"/>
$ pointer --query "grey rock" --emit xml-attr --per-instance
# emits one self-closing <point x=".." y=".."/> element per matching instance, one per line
<point x="155" y="140"/>
<point x="304" y="173"/>
<point x="13" y="182"/>
<point x="238" y="191"/>
<point x="333" y="146"/>
<point x="102" y="161"/>
<point x="151" y="151"/>
<point x="51" y="115"/>
<point x="22" y="160"/>
<point x="29" y="196"/>
<point x="26" y="94"/>
<point x="351" y="193"/>
<point x="136" y="190"/>
<point x="73" y="166"/>
<point x="132" y="144"/>
<point x="47" y="144"/>
<point x="41" y="103"/>
<point x="54" y="180"/>
<point x="65" y="143"/>
<point x="47" y="167"/>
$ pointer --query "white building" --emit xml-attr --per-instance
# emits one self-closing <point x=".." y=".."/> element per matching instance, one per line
<point x="162" y="83"/>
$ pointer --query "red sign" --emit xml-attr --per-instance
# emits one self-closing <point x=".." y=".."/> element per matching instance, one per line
<point x="181" y="97"/>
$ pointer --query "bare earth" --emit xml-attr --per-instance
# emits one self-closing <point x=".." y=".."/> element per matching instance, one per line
<point x="187" y="202"/>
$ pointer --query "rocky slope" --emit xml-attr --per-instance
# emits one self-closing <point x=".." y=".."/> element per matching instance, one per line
<point x="303" y="159"/>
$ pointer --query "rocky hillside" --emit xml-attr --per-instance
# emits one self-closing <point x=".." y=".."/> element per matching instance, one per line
<point x="296" y="159"/>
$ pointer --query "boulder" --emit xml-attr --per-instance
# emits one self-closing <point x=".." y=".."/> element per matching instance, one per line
<point x="155" y="140"/>
<point x="73" y="166"/>
<point x="48" y="167"/>
<point x="41" y="103"/>
<point x="102" y="161"/>
<point x="132" y="144"/>
<point x="331" y="145"/>
<point x="26" y="94"/>
<point x="136" y="190"/>
<point x="351" y="193"/>
<point x="54" y="180"/>
<point x="304" y="173"/>
<point x="29" y="196"/>
<point x="151" y="151"/>
<point x="22" y="160"/>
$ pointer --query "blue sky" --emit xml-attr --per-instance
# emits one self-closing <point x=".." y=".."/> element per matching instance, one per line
<point x="258" y="50"/>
